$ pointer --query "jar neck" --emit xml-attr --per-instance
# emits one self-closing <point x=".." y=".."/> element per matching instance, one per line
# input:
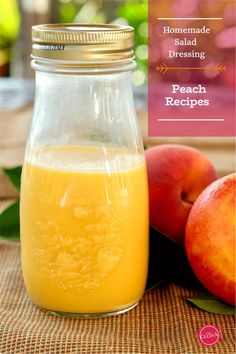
<point x="83" y="85"/>
<point x="84" y="108"/>
<point x="83" y="68"/>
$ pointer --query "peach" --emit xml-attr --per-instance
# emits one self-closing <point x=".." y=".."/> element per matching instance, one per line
<point x="177" y="174"/>
<point x="210" y="238"/>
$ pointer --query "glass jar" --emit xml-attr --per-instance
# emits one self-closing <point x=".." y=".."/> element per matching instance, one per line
<point x="84" y="195"/>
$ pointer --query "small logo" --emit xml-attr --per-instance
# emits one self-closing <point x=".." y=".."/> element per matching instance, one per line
<point x="209" y="335"/>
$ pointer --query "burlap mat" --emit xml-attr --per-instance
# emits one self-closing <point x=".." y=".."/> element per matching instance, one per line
<point x="162" y="323"/>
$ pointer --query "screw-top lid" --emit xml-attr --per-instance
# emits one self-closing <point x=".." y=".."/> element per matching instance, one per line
<point x="83" y="44"/>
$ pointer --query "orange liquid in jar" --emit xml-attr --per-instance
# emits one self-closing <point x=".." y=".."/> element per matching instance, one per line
<point x="84" y="229"/>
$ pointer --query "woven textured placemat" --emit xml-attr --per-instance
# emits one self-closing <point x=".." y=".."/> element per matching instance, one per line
<point x="162" y="323"/>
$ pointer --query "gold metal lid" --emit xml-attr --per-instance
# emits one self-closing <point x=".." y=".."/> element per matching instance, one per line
<point x="83" y="44"/>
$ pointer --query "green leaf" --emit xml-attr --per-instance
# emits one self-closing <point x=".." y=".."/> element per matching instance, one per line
<point x="10" y="222"/>
<point x="209" y="303"/>
<point x="14" y="174"/>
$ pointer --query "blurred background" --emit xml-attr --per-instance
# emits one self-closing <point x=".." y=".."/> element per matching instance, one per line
<point x="17" y="17"/>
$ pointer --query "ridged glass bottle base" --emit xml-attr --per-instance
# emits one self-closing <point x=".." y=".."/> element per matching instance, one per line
<point x="92" y="315"/>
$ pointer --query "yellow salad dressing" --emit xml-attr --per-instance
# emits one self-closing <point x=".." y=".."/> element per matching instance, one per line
<point x="84" y="228"/>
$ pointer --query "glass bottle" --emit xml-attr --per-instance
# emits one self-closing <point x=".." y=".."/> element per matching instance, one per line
<point x="84" y="196"/>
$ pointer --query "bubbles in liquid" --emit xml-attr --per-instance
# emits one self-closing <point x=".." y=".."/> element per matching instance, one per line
<point x="108" y="258"/>
<point x="84" y="158"/>
<point x="81" y="212"/>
